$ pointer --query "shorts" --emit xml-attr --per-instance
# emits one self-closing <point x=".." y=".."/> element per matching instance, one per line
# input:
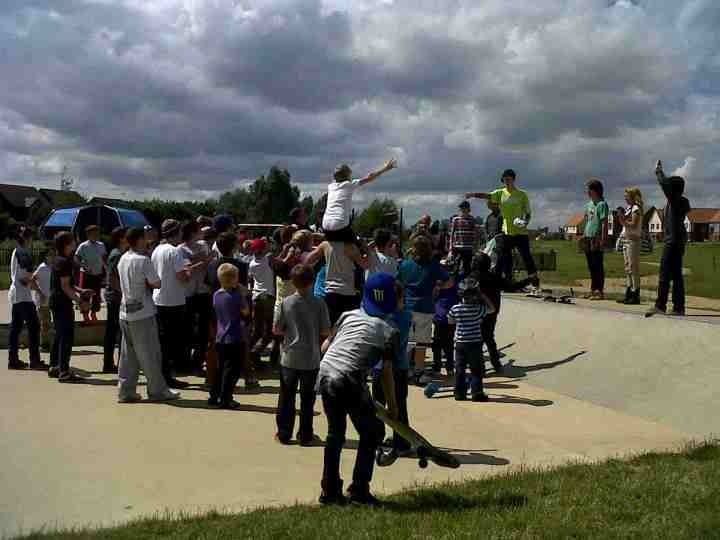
<point x="345" y="235"/>
<point x="421" y="330"/>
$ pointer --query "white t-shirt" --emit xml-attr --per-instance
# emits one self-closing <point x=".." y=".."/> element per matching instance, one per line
<point x="168" y="260"/>
<point x="91" y="255"/>
<point x="339" y="205"/>
<point x="632" y="232"/>
<point x="42" y="274"/>
<point x="19" y="292"/>
<point x="196" y="284"/>
<point x="381" y="264"/>
<point x="135" y="271"/>
<point x="262" y="275"/>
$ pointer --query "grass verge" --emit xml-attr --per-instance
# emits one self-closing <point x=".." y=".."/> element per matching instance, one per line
<point x="673" y="495"/>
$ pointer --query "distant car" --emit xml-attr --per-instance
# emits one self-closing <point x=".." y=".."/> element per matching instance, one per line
<point x="77" y="219"/>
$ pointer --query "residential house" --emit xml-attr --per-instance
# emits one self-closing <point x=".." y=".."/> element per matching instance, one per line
<point x="57" y="198"/>
<point x="575" y="226"/>
<point x="21" y="203"/>
<point x="702" y="224"/>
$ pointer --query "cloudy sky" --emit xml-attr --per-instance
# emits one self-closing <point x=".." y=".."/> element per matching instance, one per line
<point x="187" y="98"/>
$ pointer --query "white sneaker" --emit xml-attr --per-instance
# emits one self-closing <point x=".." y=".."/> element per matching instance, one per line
<point x="168" y="395"/>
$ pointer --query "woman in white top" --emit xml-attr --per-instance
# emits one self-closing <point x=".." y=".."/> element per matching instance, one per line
<point x="336" y="220"/>
<point x="632" y="220"/>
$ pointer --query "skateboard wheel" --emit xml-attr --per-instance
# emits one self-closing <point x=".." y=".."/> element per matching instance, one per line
<point x="423" y="463"/>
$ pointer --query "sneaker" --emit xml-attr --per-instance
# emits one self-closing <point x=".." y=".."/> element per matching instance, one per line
<point x="168" y="395"/>
<point x="38" y="366"/>
<point x="69" y="378"/>
<point x="231" y="405"/>
<point x="597" y="296"/>
<point x="481" y="396"/>
<point x="175" y="383"/>
<point x="332" y="499"/>
<point x="285" y="440"/>
<point x="386" y="457"/>
<point x="213" y="403"/>
<point x="654" y="311"/>
<point x="17" y="364"/>
<point x="313" y="440"/>
<point x="133" y="398"/>
<point x="53" y="372"/>
<point x="110" y="369"/>
<point x="364" y="498"/>
<point x="678" y="313"/>
<point x="459" y="397"/>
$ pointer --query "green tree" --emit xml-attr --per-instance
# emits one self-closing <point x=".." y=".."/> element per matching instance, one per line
<point x="273" y="197"/>
<point x="380" y="214"/>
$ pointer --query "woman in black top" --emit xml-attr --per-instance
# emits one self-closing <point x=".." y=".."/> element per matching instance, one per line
<point x="63" y="292"/>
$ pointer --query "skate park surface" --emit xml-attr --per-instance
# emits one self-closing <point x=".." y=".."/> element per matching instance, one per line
<point x="582" y="384"/>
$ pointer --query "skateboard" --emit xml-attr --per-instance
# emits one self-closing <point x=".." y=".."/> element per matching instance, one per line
<point x="422" y="448"/>
<point x="547" y="295"/>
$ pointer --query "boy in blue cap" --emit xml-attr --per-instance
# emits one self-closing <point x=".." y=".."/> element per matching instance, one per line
<point x="362" y="338"/>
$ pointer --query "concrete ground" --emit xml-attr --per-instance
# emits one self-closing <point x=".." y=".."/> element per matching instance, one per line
<point x="584" y="383"/>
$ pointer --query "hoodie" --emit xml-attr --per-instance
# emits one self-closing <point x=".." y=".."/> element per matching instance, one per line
<point x="676" y="210"/>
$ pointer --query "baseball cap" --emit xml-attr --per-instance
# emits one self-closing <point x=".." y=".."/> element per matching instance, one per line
<point x="379" y="298"/>
<point x="258" y="245"/>
<point x="464" y="204"/>
<point x="169" y="227"/>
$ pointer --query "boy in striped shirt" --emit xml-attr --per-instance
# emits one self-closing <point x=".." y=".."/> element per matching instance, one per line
<point x="467" y="316"/>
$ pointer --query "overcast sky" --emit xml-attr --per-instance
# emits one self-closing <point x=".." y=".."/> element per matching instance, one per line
<point x="188" y="98"/>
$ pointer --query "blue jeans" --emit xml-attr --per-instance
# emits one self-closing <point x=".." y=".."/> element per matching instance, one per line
<point x="469" y="355"/>
<point x="64" y="321"/>
<point x="290" y="381"/>
<point x="24" y="313"/>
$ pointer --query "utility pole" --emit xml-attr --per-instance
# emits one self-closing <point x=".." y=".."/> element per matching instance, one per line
<point x="66" y="182"/>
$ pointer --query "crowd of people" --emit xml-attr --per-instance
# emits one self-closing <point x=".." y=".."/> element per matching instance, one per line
<point x="204" y="298"/>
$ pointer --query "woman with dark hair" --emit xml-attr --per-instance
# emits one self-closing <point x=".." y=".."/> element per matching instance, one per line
<point x="63" y="293"/>
<point x="595" y="237"/>
<point x="113" y="298"/>
<point x="422" y="276"/>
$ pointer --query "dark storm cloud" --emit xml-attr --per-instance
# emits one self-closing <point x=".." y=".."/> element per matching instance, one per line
<point x="169" y="96"/>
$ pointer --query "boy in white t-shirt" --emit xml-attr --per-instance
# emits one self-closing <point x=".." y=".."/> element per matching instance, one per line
<point x="336" y="219"/>
<point x="41" y="297"/>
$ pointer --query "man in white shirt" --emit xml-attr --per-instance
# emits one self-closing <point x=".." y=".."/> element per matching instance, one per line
<point x="174" y="273"/>
<point x="140" y="345"/>
<point x="91" y="256"/>
<point x="336" y="219"/>
<point x="23" y="309"/>
<point x="41" y="297"/>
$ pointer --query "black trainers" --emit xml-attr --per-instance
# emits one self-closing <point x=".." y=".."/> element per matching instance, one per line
<point x="53" y="372"/>
<point x="313" y="440"/>
<point x="17" y="364"/>
<point x="231" y="405"/>
<point x="69" y="378"/>
<point x="460" y="397"/>
<point x="363" y="497"/>
<point x="175" y="383"/>
<point x="386" y="457"/>
<point x="678" y="313"/>
<point x="110" y="369"/>
<point x="38" y="366"/>
<point x="480" y="396"/>
<point x="332" y="497"/>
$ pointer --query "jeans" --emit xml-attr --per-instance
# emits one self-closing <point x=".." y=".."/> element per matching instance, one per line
<point x="488" y="334"/>
<point x="671" y="271"/>
<point x="290" y="380"/>
<point x="24" y="313"/>
<point x="342" y="398"/>
<point x="508" y="243"/>
<point x="64" y="321"/>
<point x="262" y="321"/>
<point x="199" y="313"/>
<point x="442" y="342"/>
<point x="232" y="358"/>
<point x="338" y="304"/>
<point x="469" y="354"/>
<point x="112" y="329"/>
<point x="140" y="349"/>
<point x="596" y="264"/>
<point x="464" y="262"/>
<point x="173" y="339"/>
<point x="400" y="377"/>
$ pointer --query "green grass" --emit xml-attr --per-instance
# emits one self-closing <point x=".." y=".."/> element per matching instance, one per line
<point x="651" y="496"/>
<point x="702" y="259"/>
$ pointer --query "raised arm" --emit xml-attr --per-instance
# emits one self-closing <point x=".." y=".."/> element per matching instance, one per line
<point x="389" y="165"/>
<point x="663" y="180"/>
<point x="477" y="195"/>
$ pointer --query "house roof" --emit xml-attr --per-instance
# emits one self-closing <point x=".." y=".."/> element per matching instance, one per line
<point x="575" y="220"/>
<point x="19" y="196"/>
<point x="704" y="215"/>
<point x="59" y="198"/>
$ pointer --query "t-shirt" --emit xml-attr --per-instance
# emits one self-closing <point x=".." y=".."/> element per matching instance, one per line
<point x="90" y="254"/>
<point x="302" y="319"/>
<point x="381" y="264"/>
<point x="229" y="305"/>
<point x="262" y="275"/>
<point x="462" y="232"/>
<point x="20" y="268"/>
<point x="194" y="252"/>
<point x="339" y="205"/>
<point x="358" y="345"/>
<point x="319" y="288"/>
<point x="168" y="261"/>
<point x="512" y="206"/>
<point x="445" y="300"/>
<point x="135" y="271"/>
<point x="212" y="278"/>
<point x="340" y="273"/>
<point x="493" y="225"/>
<point x="632" y="233"/>
<point x="595" y="213"/>
<point x="62" y="267"/>
<point x="467" y="319"/>
<point x="419" y="282"/>
<point x="42" y="275"/>
<point x="112" y="291"/>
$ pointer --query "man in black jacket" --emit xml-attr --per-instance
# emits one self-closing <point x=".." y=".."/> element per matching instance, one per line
<point x="671" y="263"/>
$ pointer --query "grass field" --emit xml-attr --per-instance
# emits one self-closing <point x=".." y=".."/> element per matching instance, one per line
<point x="703" y="260"/>
<point x="651" y="496"/>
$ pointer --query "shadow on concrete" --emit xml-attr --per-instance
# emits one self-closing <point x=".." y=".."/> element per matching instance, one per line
<point x="430" y="499"/>
<point x="519" y="400"/>
<point x="202" y="404"/>
<point x="514" y="371"/>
